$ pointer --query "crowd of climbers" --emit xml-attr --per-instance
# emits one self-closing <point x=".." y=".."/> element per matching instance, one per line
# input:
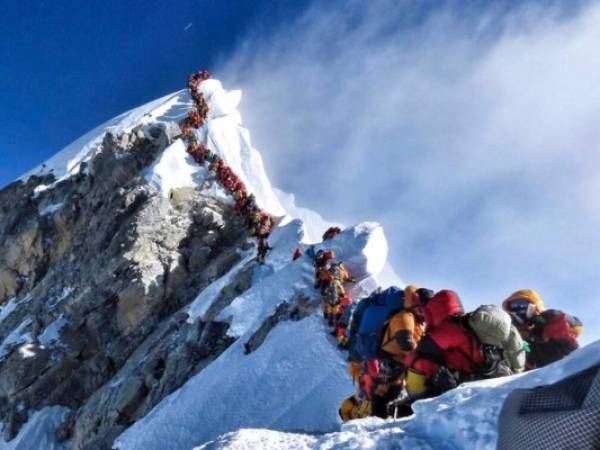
<point x="403" y="344"/>
<point x="259" y="222"/>
<point x="412" y="343"/>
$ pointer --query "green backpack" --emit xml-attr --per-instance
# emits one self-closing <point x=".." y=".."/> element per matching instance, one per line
<point x="493" y="327"/>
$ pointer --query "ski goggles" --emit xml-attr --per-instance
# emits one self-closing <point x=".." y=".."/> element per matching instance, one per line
<point x="519" y="305"/>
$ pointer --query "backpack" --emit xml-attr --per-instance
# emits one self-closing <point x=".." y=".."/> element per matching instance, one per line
<point x="499" y="338"/>
<point x="399" y="323"/>
<point x="380" y="307"/>
<point x="334" y="293"/>
<point x="491" y="324"/>
<point x="562" y="326"/>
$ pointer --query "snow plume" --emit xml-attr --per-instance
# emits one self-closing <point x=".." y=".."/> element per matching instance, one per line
<point x="469" y="131"/>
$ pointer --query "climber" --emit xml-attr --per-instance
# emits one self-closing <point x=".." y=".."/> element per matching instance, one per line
<point x="249" y="206"/>
<point x="263" y="248"/>
<point x="254" y="222"/>
<point x="216" y="165"/>
<point x="208" y="155"/>
<point x="354" y="351"/>
<point x="297" y="253"/>
<point x="225" y="174"/>
<point x="238" y="185"/>
<point x="321" y="265"/>
<point x="340" y="273"/>
<point x="332" y="278"/>
<point x="229" y="180"/>
<point x="364" y="339"/>
<point x="193" y="119"/>
<point x="447" y="355"/>
<point x="343" y="314"/>
<point x="331" y="232"/>
<point x="186" y="130"/>
<point x="357" y="406"/>
<point x="265" y="225"/>
<point x="368" y="371"/>
<point x="333" y="294"/>
<point x="551" y="334"/>
<point x="502" y="346"/>
<point x="201" y="104"/>
<point x="197" y="152"/>
<point x="399" y="335"/>
<point x="403" y="330"/>
<point x="240" y="198"/>
<point x="195" y="79"/>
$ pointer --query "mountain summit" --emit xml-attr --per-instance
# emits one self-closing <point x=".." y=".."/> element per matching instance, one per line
<point x="128" y="284"/>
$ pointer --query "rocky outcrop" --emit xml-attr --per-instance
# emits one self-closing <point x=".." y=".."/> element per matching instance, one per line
<point x="94" y="272"/>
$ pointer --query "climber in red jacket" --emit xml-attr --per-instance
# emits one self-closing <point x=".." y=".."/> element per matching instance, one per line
<point x="551" y="334"/>
<point x="448" y="354"/>
<point x="331" y="232"/>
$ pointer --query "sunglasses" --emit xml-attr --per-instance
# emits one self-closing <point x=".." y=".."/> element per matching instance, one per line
<point x="519" y="305"/>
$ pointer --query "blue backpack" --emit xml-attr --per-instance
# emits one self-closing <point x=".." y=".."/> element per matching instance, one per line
<point x="380" y="307"/>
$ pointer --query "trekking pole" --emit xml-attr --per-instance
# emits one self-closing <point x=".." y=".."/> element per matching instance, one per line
<point x="402" y="399"/>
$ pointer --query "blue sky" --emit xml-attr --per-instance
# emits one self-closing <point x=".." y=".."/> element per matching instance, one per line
<point x="468" y="129"/>
<point x="66" y="68"/>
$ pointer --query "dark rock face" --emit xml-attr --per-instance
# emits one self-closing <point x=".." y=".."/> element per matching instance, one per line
<point x="94" y="273"/>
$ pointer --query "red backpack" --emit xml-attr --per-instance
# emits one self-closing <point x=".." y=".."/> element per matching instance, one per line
<point x="561" y="326"/>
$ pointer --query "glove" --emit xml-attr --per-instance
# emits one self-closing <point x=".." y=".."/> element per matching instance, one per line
<point x="526" y="347"/>
<point x="354" y="369"/>
<point x="444" y="380"/>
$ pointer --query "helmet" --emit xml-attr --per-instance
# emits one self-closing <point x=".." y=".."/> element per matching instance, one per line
<point x="521" y="299"/>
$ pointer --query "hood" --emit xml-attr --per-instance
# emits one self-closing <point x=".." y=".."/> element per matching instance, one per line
<point x="443" y="305"/>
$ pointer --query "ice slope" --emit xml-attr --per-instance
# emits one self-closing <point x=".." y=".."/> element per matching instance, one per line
<point x="465" y="418"/>
<point x="293" y="381"/>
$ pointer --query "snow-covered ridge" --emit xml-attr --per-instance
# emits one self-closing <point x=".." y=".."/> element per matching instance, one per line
<point x="290" y="353"/>
<point x="67" y="162"/>
<point x="464" y="418"/>
<point x="174" y="169"/>
<point x="294" y="380"/>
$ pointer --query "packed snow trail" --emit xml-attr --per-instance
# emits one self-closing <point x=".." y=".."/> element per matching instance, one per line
<point x="294" y="380"/>
<point x="463" y="418"/>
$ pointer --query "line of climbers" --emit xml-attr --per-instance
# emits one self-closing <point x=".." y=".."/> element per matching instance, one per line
<point x="404" y="344"/>
<point x="259" y="222"/>
<point x="408" y="344"/>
